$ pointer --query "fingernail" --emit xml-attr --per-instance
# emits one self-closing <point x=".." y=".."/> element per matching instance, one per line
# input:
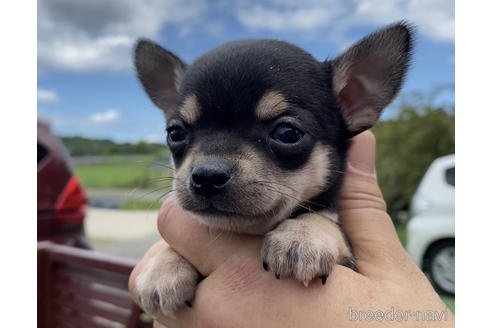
<point x="362" y="155"/>
<point x="362" y="167"/>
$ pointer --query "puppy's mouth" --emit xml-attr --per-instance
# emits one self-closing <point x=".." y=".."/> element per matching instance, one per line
<point x="241" y="218"/>
<point x="213" y="210"/>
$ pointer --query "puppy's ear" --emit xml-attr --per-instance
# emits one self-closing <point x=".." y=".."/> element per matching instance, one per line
<point x="160" y="73"/>
<point x="368" y="76"/>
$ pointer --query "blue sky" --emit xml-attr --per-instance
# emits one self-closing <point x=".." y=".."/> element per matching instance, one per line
<point x="86" y="82"/>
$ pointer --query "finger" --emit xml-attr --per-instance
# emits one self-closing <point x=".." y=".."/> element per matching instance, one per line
<point x="203" y="247"/>
<point x="362" y="208"/>
<point x="143" y="262"/>
<point x="244" y="295"/>
<point x="156" y="248"/>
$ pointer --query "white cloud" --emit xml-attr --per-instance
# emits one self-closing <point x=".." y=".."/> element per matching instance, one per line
<point x="69" y="123"/>
<point x="47" y="96"/>
<point x="434" y="18"/>
<point x="105" y="117"/>
<point x="94" y="35"/>
<point x="111" y="53"/>
<point x="289" y="19"/>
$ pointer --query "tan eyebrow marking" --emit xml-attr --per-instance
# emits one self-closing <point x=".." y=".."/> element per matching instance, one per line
<point x="272" y="104"/>
<point x="190" y="110"/>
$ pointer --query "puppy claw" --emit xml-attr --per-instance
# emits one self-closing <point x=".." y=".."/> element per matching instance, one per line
<point x="188" y="304"/>
<point x="265" y="266"/>
<point x="277" y="275"/>
<point x="294" y="249"/>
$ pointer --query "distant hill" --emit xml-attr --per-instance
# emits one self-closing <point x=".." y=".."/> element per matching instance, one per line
<point x="79" y="146"/>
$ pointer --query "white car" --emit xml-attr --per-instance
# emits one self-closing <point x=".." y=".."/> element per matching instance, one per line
<point x="430" y="232"/>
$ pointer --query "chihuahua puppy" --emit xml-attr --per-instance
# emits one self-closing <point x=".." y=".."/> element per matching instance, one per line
<point x="259" y="132"/>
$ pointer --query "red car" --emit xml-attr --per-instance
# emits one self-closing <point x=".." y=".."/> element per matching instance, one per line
<point x="61" y="198"/>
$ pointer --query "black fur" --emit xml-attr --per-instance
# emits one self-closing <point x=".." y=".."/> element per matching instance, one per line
<point x="228" y="82"/>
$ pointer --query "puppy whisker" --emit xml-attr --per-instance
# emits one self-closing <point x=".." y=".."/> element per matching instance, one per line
<point x="165" y="194"/>
<point x="306" y="201"/>
<point x="164" y="165"/>
<point x="300" y="202"/>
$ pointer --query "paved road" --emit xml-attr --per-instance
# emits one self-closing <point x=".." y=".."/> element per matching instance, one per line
<point x="121" y="233"/>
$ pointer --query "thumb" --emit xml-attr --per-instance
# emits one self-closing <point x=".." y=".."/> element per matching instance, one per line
<point x="362" y="209"/>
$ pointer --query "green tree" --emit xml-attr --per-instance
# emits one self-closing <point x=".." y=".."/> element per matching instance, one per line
<point x="406" y="147"/>
<point x="79" y="146"/>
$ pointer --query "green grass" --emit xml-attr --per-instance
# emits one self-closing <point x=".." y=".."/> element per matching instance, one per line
<point x="449" y="301"/>
<point x="141" y="204"/>
<point x="401" y="231"/>
<point x="116" y="176"/>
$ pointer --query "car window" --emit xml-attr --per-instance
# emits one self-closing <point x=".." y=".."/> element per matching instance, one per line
<point x="42" y="152"/>
<point x="450" y="176"/>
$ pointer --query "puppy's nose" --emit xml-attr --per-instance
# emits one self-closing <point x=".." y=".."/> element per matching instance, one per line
<point x="209" y="179"/>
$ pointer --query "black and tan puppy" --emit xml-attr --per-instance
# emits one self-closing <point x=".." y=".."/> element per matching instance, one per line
<point x="259" y="132"/>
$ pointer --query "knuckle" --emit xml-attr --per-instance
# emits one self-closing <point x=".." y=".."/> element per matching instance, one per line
<point x="361" y="193"/>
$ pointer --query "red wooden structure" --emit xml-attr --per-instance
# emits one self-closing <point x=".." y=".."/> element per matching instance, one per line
<point x="82" y="288"/>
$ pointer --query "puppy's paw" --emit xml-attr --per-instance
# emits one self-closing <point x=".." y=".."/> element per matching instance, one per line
<point x="301" y="249"/>
<point x="167" y="282"/>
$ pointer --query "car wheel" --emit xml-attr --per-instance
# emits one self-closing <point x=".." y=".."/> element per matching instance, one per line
<point x="440" y="266"/>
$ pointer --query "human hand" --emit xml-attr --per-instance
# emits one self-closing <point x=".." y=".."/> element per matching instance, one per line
<point x="239" y="293"/>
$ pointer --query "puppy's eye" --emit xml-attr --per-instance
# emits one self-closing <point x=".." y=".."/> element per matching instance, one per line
<point x="176" y="134"/>
<point x="287" y="134"/>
